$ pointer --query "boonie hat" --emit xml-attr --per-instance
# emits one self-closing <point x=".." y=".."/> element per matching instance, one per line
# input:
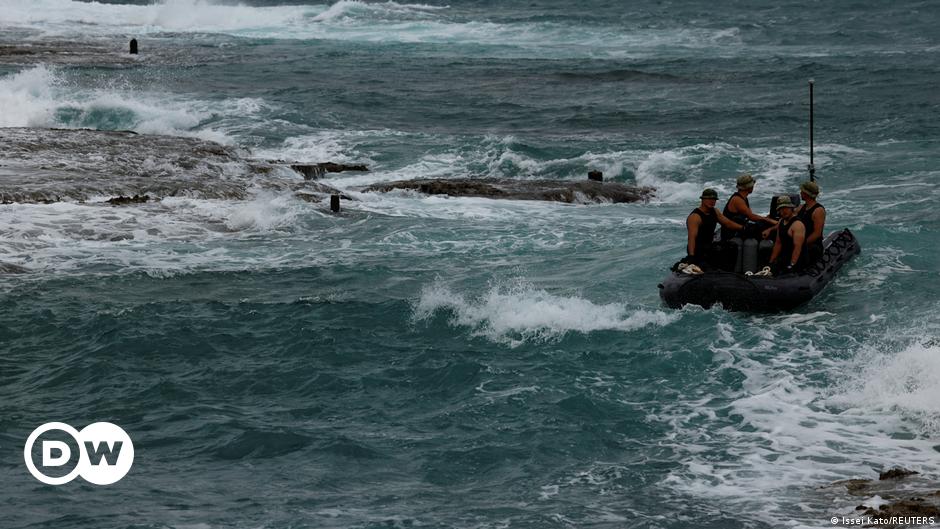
<point x="810" y="188"/>
<point x="783" y="201"/>
<point x="745" y="181"/>
<point x="709" y="193"/>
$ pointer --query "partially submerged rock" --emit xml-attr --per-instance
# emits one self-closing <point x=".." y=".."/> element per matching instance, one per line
<point x="318" y="191"/>
<point x="123" y="201"/>
<point x="854" y="486"/>
<point x="317" y="170"/>
<point x="49" y="165"/>
<point x="886" y="482"/>
<point x="896" y="473"/>
<point x="582" y="191"/>
<point x="60" y="51"/>
<point x="9" y="268"/>
<point x="897" y="492"/>
<point x="309" y="197"/>
<point x="911" y="507"/>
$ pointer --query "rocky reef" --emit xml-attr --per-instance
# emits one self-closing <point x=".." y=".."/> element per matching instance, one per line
<point x="62" y="51"/>
<point x="52" y="165"/>
<point x="125" y="168"/>
<point x="898" y="498"/>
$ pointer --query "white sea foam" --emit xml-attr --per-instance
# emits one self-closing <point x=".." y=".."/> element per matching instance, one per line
<point x="340" y="146"/>
<point x="163" y="239"/>
<point x="902" y="383"/>
<point x="265" y="212"/>
<point x="69" y="17"/>
<point x="362" y="21"/>
<point x="43" y="96"/>
<point x="680" y="174"/>
<point x="350" y="9"/>
<point x="27" y="98"/>
<point x="795" y="434"/>
<point x="517" y="313"/>
<point x="418" y="205"/>
<point x="880" y="265"/>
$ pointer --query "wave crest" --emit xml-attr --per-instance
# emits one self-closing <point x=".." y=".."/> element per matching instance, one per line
<point x="352" y="9"/>
<point x="516" y="313"/>
<point x="42" y="96"/>
<point x="903" y="383"/>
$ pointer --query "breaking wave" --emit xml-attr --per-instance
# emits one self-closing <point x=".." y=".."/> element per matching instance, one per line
<point x="43" y="96"/>
<point x="354" y="20"/>
<point x="517" y="313"/>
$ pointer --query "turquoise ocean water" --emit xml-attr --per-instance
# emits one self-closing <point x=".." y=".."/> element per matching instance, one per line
<point x="459" y="362"/>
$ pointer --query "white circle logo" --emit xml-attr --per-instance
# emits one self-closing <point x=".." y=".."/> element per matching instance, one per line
<point x="106" y="453"/>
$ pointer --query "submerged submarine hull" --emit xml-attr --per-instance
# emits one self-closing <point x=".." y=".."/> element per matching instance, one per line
<point x="761" y="294"/>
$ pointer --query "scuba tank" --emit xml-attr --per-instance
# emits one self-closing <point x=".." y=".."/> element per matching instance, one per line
<point x="748" y="256"/>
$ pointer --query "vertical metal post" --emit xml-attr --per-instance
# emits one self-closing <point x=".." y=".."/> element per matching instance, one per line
<point x="812" y="166"/>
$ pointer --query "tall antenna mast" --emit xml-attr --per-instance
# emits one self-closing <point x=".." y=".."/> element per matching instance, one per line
<point x="811" y="167"/>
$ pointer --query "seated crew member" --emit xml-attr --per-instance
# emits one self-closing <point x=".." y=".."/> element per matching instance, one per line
<point x="738" y="209"/>
<point x="788" y="255"/>
<point x="701" y="225"/>
<point x="813" y="215"/>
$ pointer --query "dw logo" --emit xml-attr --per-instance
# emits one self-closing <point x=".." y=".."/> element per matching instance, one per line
<point x="105" y="453"/>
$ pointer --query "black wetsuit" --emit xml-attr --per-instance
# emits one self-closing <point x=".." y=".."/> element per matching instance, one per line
<point x="740" y="218"/>
<point x="815" y="250"/>
<point x="704" y="240"/>
<point x="786" y="246"/>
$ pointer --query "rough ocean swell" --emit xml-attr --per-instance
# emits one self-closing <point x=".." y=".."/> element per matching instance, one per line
<point x="435" y="361"/>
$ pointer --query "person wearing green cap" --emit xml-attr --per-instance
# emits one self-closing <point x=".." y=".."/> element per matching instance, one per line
<point x="701" y="224"/>
<point x="738" y="209"/>
<point x="813" y="215"/>
<point x="787" y="255"/>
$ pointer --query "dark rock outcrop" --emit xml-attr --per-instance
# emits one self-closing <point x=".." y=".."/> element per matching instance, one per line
<point x="317" y="170"/>
<point x="903" y="493"/>
<point x="123" y="201"/>
<point x="896" y="473"/>
<point x="61" y="51"/>
<point x="583" y="191"/>
<point x="907" y="507"/>
<point x="9" y="268"/>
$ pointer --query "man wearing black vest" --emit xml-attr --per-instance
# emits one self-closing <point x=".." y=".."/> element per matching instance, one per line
<point x="788" y="256"/>
<point x="813" y="215"/>
<point x="738" y="209"/>
<point x="701" y="225"/>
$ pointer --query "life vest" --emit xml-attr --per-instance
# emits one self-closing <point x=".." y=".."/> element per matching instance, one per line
<point x="786" y="243"/>
<point x="706" y="231"/>
<point x="740" y="218"/>
<point x="815" y="250"/>
<point x="806" y="215"/>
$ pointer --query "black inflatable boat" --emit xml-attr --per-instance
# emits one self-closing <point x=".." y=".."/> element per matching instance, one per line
<point x="761" y="294"/>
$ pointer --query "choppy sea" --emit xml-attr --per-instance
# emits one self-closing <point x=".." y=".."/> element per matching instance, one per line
<point x="462" y="362"/>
